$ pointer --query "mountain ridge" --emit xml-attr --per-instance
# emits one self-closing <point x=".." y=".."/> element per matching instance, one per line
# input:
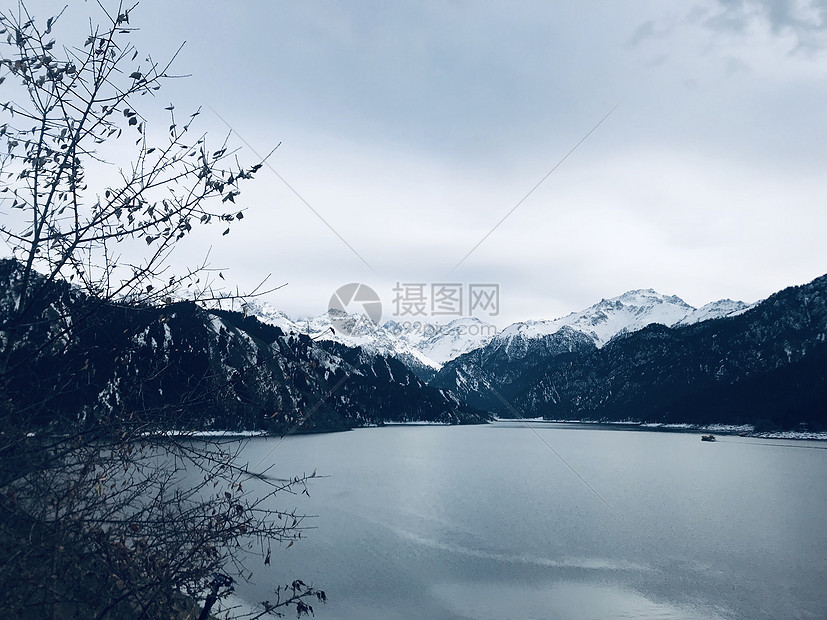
<point x="766" y="366"/>
<point x="640" y="355"/>
<point x="426" y="347"/>
<point x="184" y="367"/>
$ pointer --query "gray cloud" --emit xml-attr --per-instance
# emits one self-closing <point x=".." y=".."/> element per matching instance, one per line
<point x="805" y="19"/>
<point x="414" y="126"/>
<point x="646" y="31"/>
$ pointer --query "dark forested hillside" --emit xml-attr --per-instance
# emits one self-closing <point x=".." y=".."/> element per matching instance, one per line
<point x="767" y="367"/>
<point x="185" y="367"/>
<point x="493" y="375"/>
<point x="191" y="368"/>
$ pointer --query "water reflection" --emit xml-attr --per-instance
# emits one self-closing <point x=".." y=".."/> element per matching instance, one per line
<point x="486" y="522"/>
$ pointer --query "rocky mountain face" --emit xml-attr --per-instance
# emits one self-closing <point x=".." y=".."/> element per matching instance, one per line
<point x="515" y="359"/>
<point x="490" y="377"/>
<point x="715" y="310"/>
<point x="640" y="356"/>
<point x="426" y="347"/>
<point x="766" y="366"/>
<point x="607" y="318"/>
<point x="441" y="343"/>
<point x="184" y="367"/>
<point x="422" y="346"/>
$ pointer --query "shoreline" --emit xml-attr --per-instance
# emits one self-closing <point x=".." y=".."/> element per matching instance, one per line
<point x="741" y="430"/>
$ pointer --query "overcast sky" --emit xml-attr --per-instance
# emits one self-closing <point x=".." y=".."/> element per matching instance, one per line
<point x="412" y="128"/>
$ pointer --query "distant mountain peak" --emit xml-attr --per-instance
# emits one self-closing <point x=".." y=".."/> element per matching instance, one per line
<point x="715" y="310"/>
<point x="426" y="347"/>
<point x="626" y="313"/>
<point x="421" y="345"/>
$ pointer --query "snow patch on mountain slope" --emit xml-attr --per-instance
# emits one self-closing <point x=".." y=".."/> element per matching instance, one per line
<point x="715" y="310"/>
<point x="626" y="313"/>
<point x="443" y="342"/>
<point x="268" y="314"/>
<point x="372" y="339"/>
<point x="432" y="344"/>
<point x="607" y="318"/>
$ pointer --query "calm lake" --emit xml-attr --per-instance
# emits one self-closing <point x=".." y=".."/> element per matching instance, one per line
<point x="489" y="522"/>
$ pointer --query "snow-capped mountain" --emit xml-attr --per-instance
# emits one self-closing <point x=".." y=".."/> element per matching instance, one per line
<point x="372" y="339"/>
<point x="725" y="362"/>
<point x="427" y="347"/>
<point x="625" y="313"/>
<point x="181" y="366"/>
<point x="766" y="366"/>
<point x="442" y="343"/>
<point x="423" y="347"/>
<point x="715" y="310"/>
<point x="515" y="357"/>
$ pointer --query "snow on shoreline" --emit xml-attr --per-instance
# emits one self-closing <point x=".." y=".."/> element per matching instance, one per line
<point x="821" y="436"/>
<point x="717" y="428"/>
<point x="207" y="434"/>
<point x="408" y="423"/>
<point x="746" y="430"/>
<point x="743" y="429"/>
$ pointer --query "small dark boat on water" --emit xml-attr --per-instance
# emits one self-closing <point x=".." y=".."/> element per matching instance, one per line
<point x="707" y="437"/>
